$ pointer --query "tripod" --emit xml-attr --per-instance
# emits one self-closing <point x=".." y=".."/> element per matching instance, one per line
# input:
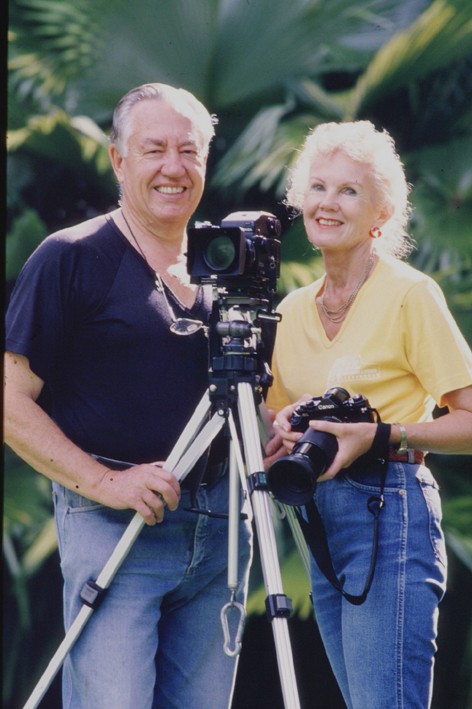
<point x="235" y="385"/>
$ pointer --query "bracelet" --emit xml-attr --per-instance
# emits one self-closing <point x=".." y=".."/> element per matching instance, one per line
<point x="403" y="446"/>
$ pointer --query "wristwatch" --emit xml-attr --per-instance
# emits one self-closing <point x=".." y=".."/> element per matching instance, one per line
<point x="403" y="446"/>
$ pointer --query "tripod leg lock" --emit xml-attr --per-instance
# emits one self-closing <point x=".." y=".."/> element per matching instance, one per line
<point x="278" y="605"/>
<point x="257" y="481"/>
<point x="92" y="594"/>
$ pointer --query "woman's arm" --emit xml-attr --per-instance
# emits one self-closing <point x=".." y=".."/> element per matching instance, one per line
<point x="451" y="433"/>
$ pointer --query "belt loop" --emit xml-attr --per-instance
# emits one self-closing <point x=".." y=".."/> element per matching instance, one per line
<point x="411" y="455"/>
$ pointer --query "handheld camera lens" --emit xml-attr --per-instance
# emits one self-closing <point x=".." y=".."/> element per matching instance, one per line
<point x="292" y="479"/>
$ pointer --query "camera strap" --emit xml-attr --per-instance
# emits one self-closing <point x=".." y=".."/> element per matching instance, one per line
<point x="315" y="534"/>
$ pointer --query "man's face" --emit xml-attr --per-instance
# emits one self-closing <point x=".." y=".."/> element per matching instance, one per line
<point x="162" y="174"/>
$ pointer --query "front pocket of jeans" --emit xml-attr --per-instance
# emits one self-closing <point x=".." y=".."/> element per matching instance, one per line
<point x="430" y="490"/>
<point x="82" y="504"/>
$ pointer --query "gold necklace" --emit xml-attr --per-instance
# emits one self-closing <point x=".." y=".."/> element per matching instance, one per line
<point x="338" y="315"/>
<point x="179" y="326"/>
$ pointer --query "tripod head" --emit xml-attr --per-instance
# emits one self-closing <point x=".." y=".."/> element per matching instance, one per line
<point x="241" y="337"/>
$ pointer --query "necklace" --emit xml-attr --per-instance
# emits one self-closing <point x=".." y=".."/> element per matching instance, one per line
<point x="338" y="315"/>
<point x="179" y="326"/>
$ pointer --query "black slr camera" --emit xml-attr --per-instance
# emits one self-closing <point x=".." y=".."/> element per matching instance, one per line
<point x="292" y="479"/>
<point x="242" y="253"/>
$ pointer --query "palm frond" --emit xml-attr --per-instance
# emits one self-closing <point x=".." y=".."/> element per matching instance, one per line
<point x="53" y="42"/>
<point x="442" y="34"/>
<point x="442" y="198"/>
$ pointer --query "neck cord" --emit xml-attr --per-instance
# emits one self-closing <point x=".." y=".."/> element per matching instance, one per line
<point x="337" y="316"/>
<point x="159" y="284"/>
<point x="179" y="326"/>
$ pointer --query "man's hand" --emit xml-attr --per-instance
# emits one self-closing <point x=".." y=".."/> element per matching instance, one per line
<point x="147" y="488"/>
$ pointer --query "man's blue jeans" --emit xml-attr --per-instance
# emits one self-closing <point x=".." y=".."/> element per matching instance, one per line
<point x="382" y="651"/>
<point x="156" y="640"/>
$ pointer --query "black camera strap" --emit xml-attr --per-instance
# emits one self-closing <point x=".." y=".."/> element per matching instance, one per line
<point x="315" y="534"/>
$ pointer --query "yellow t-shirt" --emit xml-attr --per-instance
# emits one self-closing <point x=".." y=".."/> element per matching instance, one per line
<point x="398" y="346"/>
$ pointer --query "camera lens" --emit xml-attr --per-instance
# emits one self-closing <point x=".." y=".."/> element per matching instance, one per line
<point x="220" y="253"/>
<point x="292" y="479"/>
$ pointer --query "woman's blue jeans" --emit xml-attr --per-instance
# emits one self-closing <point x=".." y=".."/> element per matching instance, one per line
<point x="382" y="652"/>
<point x="156" y="640"/>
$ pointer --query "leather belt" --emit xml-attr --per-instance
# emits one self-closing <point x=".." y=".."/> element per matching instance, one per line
<point x="411" y="456"/>
<point x="210" y="476"/>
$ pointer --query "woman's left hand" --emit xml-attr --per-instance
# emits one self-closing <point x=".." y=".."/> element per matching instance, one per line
<point x="354" y="439"/>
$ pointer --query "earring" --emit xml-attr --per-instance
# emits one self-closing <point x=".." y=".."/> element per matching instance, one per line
<point x="375" y="233"/>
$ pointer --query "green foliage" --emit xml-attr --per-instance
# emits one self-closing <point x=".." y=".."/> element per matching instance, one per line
<point x="27" y="525"/>
<point x="439" y="36"/>
<point x="443" y="198"/>
<point x="26" y="233"/>
<point x="29" y="539"/>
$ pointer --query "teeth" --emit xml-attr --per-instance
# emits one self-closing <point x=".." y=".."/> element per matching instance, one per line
<point x="170" y="190"/>
<point x="328" y="222"/>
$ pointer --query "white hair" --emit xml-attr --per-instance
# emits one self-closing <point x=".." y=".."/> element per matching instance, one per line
<point x="362" y="142"/>
<point x="182" y="100"/>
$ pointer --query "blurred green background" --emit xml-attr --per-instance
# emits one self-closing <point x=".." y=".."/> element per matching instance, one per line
<point x="270" y="70"/>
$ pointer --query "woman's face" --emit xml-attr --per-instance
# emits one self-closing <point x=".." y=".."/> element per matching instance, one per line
<point x="340" y="205"/>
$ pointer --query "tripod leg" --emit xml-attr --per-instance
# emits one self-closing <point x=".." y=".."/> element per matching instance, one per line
<point x="276" y="599"/>
<point x="182" y="458"/>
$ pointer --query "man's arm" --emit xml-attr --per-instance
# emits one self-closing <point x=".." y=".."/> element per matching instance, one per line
<point x="32" y="434"/>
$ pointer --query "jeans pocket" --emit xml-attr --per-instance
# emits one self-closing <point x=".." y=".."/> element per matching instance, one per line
<point x="84" y="505"/>
<point x="430" y="490"/>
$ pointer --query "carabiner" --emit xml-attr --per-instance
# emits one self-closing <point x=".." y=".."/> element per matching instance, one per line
<point x="233" y="605"/>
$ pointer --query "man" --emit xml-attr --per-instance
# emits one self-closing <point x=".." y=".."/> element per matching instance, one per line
<point x="95" y="373"/>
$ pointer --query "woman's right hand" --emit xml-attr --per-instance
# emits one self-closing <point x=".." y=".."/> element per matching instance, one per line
<point x="282" y="424"/>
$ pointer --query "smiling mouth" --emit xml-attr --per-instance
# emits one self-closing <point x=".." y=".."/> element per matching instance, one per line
<point x="328" y="222"/>
<point x="170" y="190"/>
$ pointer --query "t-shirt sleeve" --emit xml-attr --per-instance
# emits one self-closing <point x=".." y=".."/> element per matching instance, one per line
<point x="438" y="352"/>
<point x="51" y="293"/>
<point x="36" y="321"/>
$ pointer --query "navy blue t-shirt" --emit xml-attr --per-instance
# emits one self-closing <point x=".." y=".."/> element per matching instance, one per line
<point x="86" y="313"/>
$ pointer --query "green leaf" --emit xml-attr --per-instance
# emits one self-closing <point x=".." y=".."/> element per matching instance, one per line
<point x="438" y="37"/>
<point x="26" y="233"/>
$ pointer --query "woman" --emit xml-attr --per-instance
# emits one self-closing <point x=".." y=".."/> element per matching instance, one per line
<point x="374" y="326"/>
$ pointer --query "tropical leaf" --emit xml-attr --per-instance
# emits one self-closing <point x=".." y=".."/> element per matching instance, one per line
<point x="437" y="38"/>
<point x="294" y="274"/>
<point x="442" y="197"/>
<point x="296" y="586"/>
<point x="58" y="137"/>
<point x="52" y="43"/>
<point x="227" y="52"/>
<point x="27" y="501"/>
<point x="26" y="233"/>
<point x="59" y="167"/>
<point x="462" y="548"/>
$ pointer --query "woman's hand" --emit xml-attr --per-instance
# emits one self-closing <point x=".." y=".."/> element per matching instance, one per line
<point x="282" y="425"/>
<point x="354" y="439"/>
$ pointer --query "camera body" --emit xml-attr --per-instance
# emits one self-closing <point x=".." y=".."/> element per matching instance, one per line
<point x="241" y="254"/>
<point x="335" y="405"/>
<point x="292" y="479"/>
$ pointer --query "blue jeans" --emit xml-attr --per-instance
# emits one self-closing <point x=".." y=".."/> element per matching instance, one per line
<point x="156" y="640"/>
<point x="382" y="652"/>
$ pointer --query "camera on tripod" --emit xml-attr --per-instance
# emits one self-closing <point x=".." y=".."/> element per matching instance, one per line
<point x="241" y="254"/>
<point x="292" y="479"/>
